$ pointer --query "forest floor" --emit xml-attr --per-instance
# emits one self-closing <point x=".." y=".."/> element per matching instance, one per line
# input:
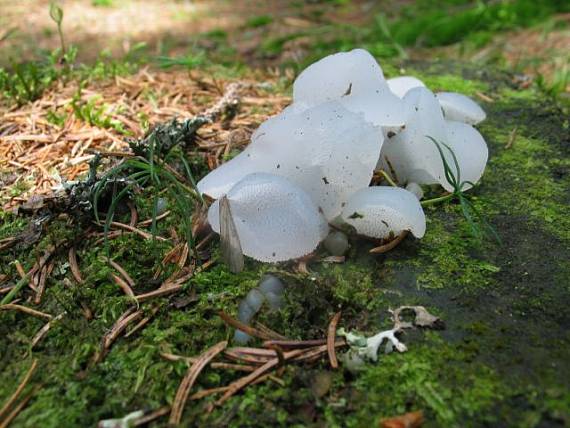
<point x="503" y="358"/>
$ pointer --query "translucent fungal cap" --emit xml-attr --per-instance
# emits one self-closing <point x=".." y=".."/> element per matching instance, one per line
<point x="326" y="150"/>
<point x="401" y="85"/>
<point x="275" y="219"/>
<point x="355" y="80"/>
<point x="414" y="157"/>
<point x="380" y="211"/>
<point x="460" y="108"/>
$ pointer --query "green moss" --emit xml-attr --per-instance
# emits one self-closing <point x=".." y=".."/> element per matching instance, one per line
<point x="435" y="377"/>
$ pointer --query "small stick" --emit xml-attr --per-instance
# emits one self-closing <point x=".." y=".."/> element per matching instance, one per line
<point x="189" y="379"/>
<point x="331" y="335"/>
<point x="20" y="388"/>
<point x="26" y="310"/>
<point x="390" y="245"/>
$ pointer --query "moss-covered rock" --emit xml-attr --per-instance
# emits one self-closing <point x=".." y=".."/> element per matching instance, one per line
<point x="503" y="360"/>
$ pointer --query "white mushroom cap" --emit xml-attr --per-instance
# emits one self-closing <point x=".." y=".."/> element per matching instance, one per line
<point x="331" y="77"/>
<point x="460" y="108"/>
<point x="355" y="80"/>
<point x="378" y="211"/>
<point x="401" y="85"/>
<point x="414" y="157"/>
<point x="326" y="150"/>
<point x="470" y="150"/>
<point x="275" y="220"/>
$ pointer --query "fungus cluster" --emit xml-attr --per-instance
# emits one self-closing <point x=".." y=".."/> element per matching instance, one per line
<point x="312" y="164"/>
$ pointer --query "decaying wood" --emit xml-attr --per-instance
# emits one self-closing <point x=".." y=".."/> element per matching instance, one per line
<point x="189" y="379"/>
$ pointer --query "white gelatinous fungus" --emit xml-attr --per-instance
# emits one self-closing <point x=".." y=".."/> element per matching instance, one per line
<point x="313" y="162"/>
<point x="326" y="150"/>
<point x="356" y="80"/>
<point x="275" y="219"/>
<point x="379" y="212"/>
<point x="460" y="108"/>
<point x="401" y="85"/>
<point x="415" y="157"/>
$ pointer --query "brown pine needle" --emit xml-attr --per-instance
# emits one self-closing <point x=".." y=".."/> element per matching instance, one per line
<point x="18" y="391"/>
<point x="123" y="272"/>
<point x="270" y="332"/>
<point x="142" y="322"/>
<point x="10" y="417"/>
<point x="119" y="327"/>
<point x="390" y="245"/>
<point x="189" y="379"/>
<point x="74" y="266"/>
<point x="252" y="331"/>
<point x="134" y="214"/>
<point x="123" y="285"/>
<point x="205" y="392"/>
<point x="25" y="310"/>
<point x="146" y="419"/>
<point x="246" y="380"/>
<point x="165" y="291"/>
<point x="295" y="343"/>
<point x="43" y="331"/>
<point x="149" y="221"/>
<point x="331" y="335"/>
